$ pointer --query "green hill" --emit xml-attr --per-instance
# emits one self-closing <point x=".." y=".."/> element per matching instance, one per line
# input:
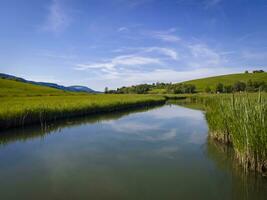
<point x="17" y="88"/>
<point x="230" y="79"/>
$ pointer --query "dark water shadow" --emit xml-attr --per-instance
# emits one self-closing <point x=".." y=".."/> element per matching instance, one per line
<point x="245" y="184"/>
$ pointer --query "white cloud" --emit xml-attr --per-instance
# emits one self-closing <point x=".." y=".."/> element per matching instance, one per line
<point x="131" y="127"/>
<point x="166" y="51"/>
<point x="169" y="52"/>
<point x="167" y="36"/>
<point x="121" y="29"/>
<point x="171" y="75"/>
<point x="125" y="60"/>
<point x="202" y="54"/>
<point x="143" y="131"/>
<point x="114" y="79"/>
<point x="188" y="60"/>
<point x="168" y="112"/>
<point x="57" y="19"/>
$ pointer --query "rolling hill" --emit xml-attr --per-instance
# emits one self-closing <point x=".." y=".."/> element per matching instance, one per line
<point x="18" y="88"/>
<point x="230" y="79"/>
<point x="76" y="88"/>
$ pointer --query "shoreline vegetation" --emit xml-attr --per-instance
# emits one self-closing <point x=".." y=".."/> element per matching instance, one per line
<point x="240" y="121"/>
<point x="22" y="111"/>
<point x="35" y="130"/>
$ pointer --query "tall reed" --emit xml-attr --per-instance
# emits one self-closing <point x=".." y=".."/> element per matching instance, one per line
<point x="240" y="120"/>
<point x="20" y="111"/>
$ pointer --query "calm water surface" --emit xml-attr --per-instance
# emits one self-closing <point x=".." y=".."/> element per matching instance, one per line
<point x="162" y="153"/>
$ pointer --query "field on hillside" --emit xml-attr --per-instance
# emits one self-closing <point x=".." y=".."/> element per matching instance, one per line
<point x="23" y="103"/>
<point x="230" y="79"/>
<point x="16" y="88"/>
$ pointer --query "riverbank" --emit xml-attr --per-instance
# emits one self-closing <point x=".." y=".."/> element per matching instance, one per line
<point x="240" y="121"/>
<point x="22" y="111"/>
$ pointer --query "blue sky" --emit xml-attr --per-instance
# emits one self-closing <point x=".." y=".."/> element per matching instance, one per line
<point x="112" y="43"/>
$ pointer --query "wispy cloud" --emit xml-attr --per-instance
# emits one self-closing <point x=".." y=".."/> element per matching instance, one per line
<point x="57" y="19"/>
<point x="167" y="36"/>
<point x="166" y="51"/>
<point x="125" y="78"/>
<point x="122" y="29"/>
<point x="189" y="60"/>
<point x="254" y="55"/>
<point x="119" y="61"/>
<point x="202" y="54"/>
<point x="169" y="52"/>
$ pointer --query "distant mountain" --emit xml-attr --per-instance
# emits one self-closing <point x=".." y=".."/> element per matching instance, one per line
<point x="78" y="88"/>
<point x="75" y="88"/>
<point x="10" y="77"/>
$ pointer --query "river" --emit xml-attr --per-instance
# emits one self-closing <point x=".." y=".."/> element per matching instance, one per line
<point x="158" y="153"/>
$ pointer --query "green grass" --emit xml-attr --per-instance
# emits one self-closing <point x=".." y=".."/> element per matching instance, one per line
<point x="202" y="84"/>
<point x="19" y="111"/>
<point x="16" y="88"/>
<point x="22" y="103"/>
<point x="239" y="120"/>
<point x="157" y="91"/>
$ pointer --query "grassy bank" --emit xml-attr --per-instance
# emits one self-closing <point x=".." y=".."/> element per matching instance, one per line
<point x="241" y="121"/>
<point x="20" y="111"/>
<point x="36" y="131"/>
<point x="22" y="103"/>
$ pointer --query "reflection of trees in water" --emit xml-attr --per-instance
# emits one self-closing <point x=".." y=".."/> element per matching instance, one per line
<point x="245" y="185"/>
<point x="188" y="103"/>
<point x="35" y="131"/>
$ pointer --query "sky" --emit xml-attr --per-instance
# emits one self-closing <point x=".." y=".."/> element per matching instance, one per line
<point x="114" y="43"/>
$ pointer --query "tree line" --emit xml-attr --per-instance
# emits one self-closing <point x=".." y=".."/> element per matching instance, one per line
<point x="145" y="88"/>
<point x="239" y="86"/>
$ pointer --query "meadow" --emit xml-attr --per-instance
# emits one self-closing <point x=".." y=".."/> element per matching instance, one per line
<point x="23" y="103"/>
<point x="19" y="111"/>
<point x="229" y="79"/>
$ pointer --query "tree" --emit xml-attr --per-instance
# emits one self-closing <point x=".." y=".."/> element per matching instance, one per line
<point x="106" y="90"/>
<point x="189" y="88"/>
<point x="228" y="89"/>
<point x="239" y="86"/>
<point x="246" y="72"/>
<point x="258" y="71"/>
<point x="219" y="87"/>
<point x="208" y="90"/>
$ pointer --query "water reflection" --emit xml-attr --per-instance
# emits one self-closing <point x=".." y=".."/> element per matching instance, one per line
<point x="158" y="154"/>
<point x="244" y="185"/>
<point x="36" y="131"/>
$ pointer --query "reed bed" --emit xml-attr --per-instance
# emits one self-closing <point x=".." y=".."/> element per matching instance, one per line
<point x="20" y="111"/>
<point x="241" y="121"/>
